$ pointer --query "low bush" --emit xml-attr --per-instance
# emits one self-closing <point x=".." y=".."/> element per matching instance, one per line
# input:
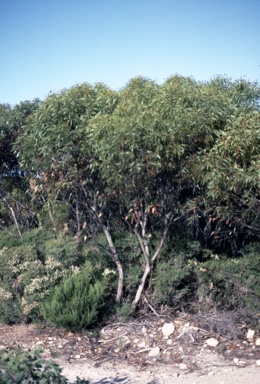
<point x="18" y="367"/>
<point x="75" y="303"/>
<point x="230" y="283"/>
<point x="29" y="269"/>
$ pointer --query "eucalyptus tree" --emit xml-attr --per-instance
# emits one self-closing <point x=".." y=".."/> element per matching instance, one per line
<point x="144" y="151"/>
<point x="137" y="156"/>
<point x="130" y="150"/>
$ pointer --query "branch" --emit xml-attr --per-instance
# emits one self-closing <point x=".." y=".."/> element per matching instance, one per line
<point x="168" y="221"/>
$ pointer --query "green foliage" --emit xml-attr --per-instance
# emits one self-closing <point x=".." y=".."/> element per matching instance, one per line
<point x="18" y="367"/>
<point x="189" y="276"/>
<point x="173" y="281"/>
<point x="29" y="268"/>
<point x="228" y="282"/>
<point x="232" y="165"/>
<point x="124" y="311"/>
<point x="76" y="302"/>
<point x="101" y="160"/>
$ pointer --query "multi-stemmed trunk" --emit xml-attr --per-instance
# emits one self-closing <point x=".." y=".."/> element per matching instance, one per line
<point x="149" y="259"/>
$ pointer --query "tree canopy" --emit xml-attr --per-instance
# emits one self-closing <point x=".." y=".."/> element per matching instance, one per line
<point x="139" y="160"/>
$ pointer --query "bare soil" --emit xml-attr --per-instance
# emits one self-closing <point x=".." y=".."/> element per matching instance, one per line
<point x="138" y="352"/>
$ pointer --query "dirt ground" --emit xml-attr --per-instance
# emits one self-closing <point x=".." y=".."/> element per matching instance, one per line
<point x="222" y="374"/>
<point x="216" y="349"/>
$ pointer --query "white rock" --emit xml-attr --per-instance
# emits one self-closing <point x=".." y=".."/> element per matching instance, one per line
<point x="169" y="341"/>
<point x="154" y="352"/>
<point x="40" y="342"/>
<point x="257" y="342"/>
<point x="250" y="334"/>
<point x="182" y="366"/>
<point x="77" y="357"/>
<point x="142" y="345"/>
<point x="236" y="360"/>
<point x="257" y="363"/>
<point x="168" y="329"/>
<point x="212" y="342"/>
<point x="144" y="329"/>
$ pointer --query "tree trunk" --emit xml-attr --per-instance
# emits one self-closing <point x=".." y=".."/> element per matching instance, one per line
<point x="12" y="214"/>
<point x="117" y="262"/>
<point x="115" y="257"/>
<point x="141" y="285"/>
<point x="149" y="260"/>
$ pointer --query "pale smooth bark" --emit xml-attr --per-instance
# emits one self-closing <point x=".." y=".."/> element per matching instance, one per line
<point x="149" y="261"/>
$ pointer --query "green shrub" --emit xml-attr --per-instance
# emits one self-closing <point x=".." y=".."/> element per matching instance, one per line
<point x="29" y="268"/>
<point x="230" y="283"/>
<point x="18" y="367"/>
<point x="124" y="311"/>
<point x="75" y="303"/>
<point x="173" y="282"/>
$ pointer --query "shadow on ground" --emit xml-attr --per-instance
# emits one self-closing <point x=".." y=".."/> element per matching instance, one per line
<point x="118" y="380"/>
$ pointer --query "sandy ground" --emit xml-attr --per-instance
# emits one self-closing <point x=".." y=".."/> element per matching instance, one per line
<point x="225" y="374"/>
<point x="120" y="353"/>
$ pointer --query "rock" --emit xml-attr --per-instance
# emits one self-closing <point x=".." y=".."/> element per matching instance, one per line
<point x="257" y="363"/>
<point x="212" y="342"/>
<point x="257" y="342"/>
<point x="169" y="341"/>
<point x="155" y="352"/>
<point x="236" y="360"/>
<point x="168" y="329"/>
<point x="250" y="335"/>
<point x="40" y="342"/>
<point x="183" y="366"/>
<point x="142" y="345"/>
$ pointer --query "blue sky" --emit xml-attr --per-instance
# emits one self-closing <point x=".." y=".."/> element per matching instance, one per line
<point x="48" y="45"/>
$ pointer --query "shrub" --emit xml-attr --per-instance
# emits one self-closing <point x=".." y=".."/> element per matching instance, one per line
<point x="230" y="283"/>
<point x="18" y="367"/>
<point x="124" y="311"/>
<point x="29" y="269"/>
<point x="75" y="303"/>
<point x="173" y="282"/>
